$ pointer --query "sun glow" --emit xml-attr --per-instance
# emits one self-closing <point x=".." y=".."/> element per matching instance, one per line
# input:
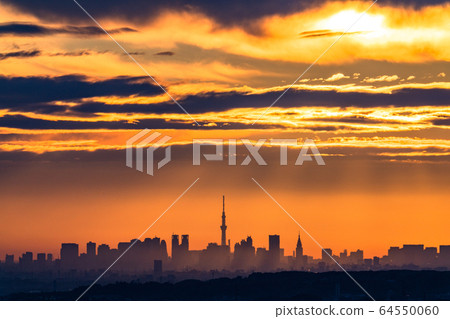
<point x="341" y="21"/>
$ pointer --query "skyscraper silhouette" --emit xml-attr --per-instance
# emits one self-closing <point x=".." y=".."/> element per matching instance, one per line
<point x="185" y="242"/>
<point x="91" y="248"/>
<point x="224" y="226"/>
<point x="300" y="258"/>
<point x="175" y="248"/>
<point x="69" y="255"/>
<point x="299" y="248"/>
<point x="69" y="252"/>
<point x="274" y="251"/>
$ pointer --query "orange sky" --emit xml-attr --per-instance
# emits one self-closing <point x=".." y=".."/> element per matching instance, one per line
<point x="360" y="207"/>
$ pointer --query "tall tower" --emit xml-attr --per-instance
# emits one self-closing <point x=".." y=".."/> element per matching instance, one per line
<point x="224" y="226"/>
<point x="299" y="248"/>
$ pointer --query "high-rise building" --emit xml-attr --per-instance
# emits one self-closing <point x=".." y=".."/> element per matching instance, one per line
<point x="90" y="249"/>
<point x="274" y="243"/>
<point x="164" y="254"/>
<point x="104" y="255"/>
<point x="41" y="258"/>
<point x="300" y="259"/>
<point x="69" y="253"/>
<point x="244" y="254"/>
<point x="185" y="242"/>
<point x="356" y="257"/>
<point x="413" y="254"/>
<point x="215" y="257"/>
<point x="223" y="227"/>
<point x="444" y="250"/>
<point x="299" y="248"/>
<point x="343" y="257"/>
<point x="122" y="246"/>
<point x="175" y="245"/>
<point x="180" y="254"/>
<point x="326" y="255"/>
<point x="27" y="258"/>
<point x="444" y="255"/>
<point x="103" y="250"/>
<point x="176" y="249"/>
<point x="274" y="251"/>
<point x="40" y="261"/>
<point x="395" y="256"/>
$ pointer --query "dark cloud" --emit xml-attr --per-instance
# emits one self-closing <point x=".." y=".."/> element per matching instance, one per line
<point x="216" y="102"/>
<point x="26" y="92"/>
<point x="24" y="122"/>
<point x="39" y="94"/>
<point x="19" y="54"/>
<point x="165" y="53"/>
<point x="78" y="53"/>
<point x="442" y="121"/>
<point x="358" y="119"/>
<point x="36" y="52"/>
<point x="20" y="121"/>
<point x="325" y="33"/>
<point x="416" y="4"/>
<point x="134" y="53"/>
<point x="401" y="97"/>
<point x="27" y="29"/>
<point x="226" y="12"/>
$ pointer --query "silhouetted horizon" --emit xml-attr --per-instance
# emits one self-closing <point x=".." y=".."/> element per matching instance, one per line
<point x="151" y="254"/>
<point x="148" y="259"/>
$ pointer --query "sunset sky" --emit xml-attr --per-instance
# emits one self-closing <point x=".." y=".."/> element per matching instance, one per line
<point x="376" y="104"/>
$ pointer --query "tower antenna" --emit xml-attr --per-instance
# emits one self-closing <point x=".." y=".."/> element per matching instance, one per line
<point x="223" y="227"/>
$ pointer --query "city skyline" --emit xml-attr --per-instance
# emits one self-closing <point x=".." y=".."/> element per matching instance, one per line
<point x="410" y="254"/>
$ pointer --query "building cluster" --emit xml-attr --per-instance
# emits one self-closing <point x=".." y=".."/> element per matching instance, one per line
<point x="151" y="256"/>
